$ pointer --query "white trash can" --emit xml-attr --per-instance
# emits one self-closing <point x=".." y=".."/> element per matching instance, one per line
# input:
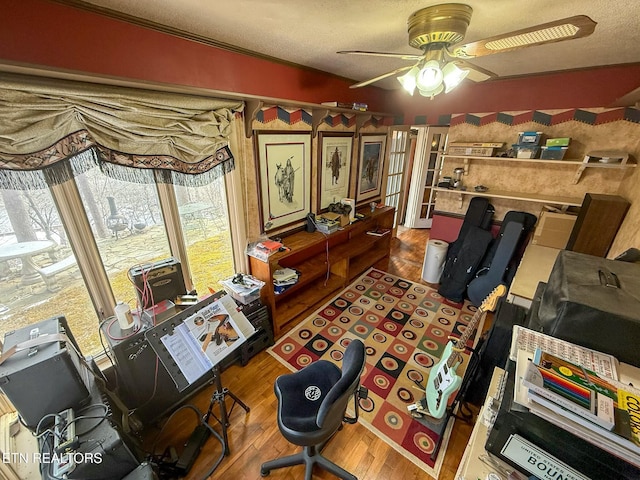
<point x="434" y="258"/>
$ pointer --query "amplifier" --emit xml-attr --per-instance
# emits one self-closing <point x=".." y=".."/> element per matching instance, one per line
<point x="47" y="378"/>
<point x="103" y="451"/>
<point x="154" y="395"/>
<point x="143" y="382"/>
<point x="164" y="281"/>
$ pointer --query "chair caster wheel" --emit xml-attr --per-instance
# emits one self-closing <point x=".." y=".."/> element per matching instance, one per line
<point x="264" y="473"/>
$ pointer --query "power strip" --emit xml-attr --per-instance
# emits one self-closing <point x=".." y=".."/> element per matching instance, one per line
<point x="64" y="438"/>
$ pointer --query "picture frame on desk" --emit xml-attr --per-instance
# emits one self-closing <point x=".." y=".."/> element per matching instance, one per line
<point x="284" y="173"/>
<point x="334" y="167"/>
<point x="370" y="167"/>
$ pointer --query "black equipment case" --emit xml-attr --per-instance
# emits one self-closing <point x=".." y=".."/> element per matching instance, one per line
<point x="44" y="379"/>
<point x="593" y="302"/>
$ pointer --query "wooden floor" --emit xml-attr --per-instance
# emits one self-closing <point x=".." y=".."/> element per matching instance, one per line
<point x="255" y="438"/>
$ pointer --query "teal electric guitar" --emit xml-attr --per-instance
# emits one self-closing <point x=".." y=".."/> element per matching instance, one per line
<point x="443" y="381"/>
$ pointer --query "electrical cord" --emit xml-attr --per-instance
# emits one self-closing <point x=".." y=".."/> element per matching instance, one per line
<point x="326" y="246"/>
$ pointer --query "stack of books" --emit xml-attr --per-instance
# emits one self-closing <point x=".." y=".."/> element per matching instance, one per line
<point x="597" y="408"/>
<point x="284" y="278"/>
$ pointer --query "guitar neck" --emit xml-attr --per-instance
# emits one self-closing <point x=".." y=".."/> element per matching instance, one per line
<point x="464" y="338"/>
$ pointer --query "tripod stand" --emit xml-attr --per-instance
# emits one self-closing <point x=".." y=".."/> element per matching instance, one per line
<point x="218" y="396"/>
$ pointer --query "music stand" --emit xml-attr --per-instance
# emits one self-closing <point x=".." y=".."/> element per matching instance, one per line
<point x="178" y="352"/>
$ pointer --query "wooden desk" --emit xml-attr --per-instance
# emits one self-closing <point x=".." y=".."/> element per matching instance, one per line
<point x="535" y="267"/>
<point x="476" y="463"/>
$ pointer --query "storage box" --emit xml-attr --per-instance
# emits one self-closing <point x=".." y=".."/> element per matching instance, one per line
<point x="343" y="220"/>
<point x="471" y="151"/>
<point x="526" y="151"/>
<point x="553" y="229"/>
<point x="558" y="142"/>
<point x="529" y="138"/>
<point x="243" y="293"/>
<point x="553" y="153"/>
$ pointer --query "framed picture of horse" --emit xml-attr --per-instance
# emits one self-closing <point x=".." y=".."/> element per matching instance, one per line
<point x="370" y="167"/>
<point x="284" y="172"/>
<point x="334" y="170"/>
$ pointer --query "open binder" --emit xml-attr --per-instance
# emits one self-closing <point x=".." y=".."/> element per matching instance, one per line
<point x="193" y="342"/>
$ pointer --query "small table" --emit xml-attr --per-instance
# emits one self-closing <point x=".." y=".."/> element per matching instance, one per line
<point x="25" y="252"/>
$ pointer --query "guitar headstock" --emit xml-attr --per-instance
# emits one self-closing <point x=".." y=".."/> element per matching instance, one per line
<point x="489" y="304"/>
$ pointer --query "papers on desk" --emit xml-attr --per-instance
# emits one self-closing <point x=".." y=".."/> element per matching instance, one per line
<point x="202" y="340"/>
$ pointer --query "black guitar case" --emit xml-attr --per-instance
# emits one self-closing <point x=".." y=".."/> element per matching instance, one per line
<point x="482" y="285"/>
<point x="465" y="254"/>
<point x="463" y="267"/>
<point x="527" y="220"/>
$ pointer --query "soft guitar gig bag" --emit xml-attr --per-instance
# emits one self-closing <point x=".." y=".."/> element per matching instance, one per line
<point x="467" y="251"/>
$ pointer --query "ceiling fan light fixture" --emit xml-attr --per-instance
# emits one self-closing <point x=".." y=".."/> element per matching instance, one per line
<point x="430" y="76"/>
<point x="431" y="92"/>
<point x="453" y="76"/>
<point x="408" y="80"/>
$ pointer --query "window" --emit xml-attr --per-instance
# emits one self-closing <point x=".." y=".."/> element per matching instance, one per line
<point x="205" y="226"/>
<point x="40" y="276"/>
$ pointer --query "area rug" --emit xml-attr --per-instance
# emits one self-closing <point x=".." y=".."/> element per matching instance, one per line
<point x="405" y="327"/>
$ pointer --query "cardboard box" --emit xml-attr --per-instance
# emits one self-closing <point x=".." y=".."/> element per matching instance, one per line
<point x="553" y="229"/>
<point x="336" y="217"/>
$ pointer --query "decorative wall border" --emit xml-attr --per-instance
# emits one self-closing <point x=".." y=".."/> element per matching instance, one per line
<point x="590" y="116"/>
<point x="296" y="115"/>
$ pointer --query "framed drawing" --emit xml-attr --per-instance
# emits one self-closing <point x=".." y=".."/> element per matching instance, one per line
<point x="334" y="172"/>
<point x="284" y="163"/>
<point x="370" y="166"/>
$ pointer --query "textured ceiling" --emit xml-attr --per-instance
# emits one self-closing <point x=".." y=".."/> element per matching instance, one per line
<point x="311" y="32"/>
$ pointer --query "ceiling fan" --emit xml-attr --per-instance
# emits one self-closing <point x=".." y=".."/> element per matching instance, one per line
<point x="438" y="30"/>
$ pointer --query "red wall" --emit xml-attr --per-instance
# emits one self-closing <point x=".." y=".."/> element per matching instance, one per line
<point x="44" y="33"/>
<point x="39" y="32"/>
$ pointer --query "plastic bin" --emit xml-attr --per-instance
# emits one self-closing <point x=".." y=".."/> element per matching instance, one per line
<point x="553" y="153"/>
<point x="529" y="138"/>
<point x="526" y="151"/>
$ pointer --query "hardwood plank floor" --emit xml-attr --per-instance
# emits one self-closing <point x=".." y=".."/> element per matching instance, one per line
<point x="254" y="437"/>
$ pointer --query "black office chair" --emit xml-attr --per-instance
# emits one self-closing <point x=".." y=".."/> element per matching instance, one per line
<point x="311" y="408"/>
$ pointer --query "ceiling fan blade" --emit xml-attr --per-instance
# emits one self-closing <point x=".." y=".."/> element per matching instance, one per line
<point x="565" y="29"/>
<point x="476" y="73"/>
<point x="404" y="56"/>
<point x="380" y="77"/>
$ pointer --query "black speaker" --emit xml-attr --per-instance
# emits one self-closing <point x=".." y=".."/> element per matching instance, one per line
<point x="158" y="281"/>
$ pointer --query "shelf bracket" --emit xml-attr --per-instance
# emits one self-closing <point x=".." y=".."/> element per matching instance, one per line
<point x="360" y="121"/>
<point x="251" y="109"/>
<point x="317" y="116"/>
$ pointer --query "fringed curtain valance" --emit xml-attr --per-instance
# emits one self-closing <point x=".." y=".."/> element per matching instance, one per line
<point x="44" y="123"/>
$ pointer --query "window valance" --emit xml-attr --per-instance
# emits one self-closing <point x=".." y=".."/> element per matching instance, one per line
<point x="44" y="122"/>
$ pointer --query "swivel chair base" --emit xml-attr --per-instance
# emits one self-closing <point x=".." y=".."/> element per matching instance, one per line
<point x="309" y="457"/>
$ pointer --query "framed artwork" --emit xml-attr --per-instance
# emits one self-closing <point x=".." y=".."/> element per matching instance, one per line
<point x="370" y="166"/>
<point x="284" y="164"/>
<point x="334" y="172"/>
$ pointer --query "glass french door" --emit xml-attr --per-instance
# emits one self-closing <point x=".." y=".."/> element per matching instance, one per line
<point x="398" y="159"/>
<point x="427" y="162"/>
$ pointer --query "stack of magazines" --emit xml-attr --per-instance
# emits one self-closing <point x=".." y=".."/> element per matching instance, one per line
<point x="566" y="392"/>
<point x="284" y="278"/>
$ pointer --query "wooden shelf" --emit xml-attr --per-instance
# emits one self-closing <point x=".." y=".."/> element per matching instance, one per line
<point x="581" y="164"/>
<point x="327" y="263"/>
<point x="527" y="197"/>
